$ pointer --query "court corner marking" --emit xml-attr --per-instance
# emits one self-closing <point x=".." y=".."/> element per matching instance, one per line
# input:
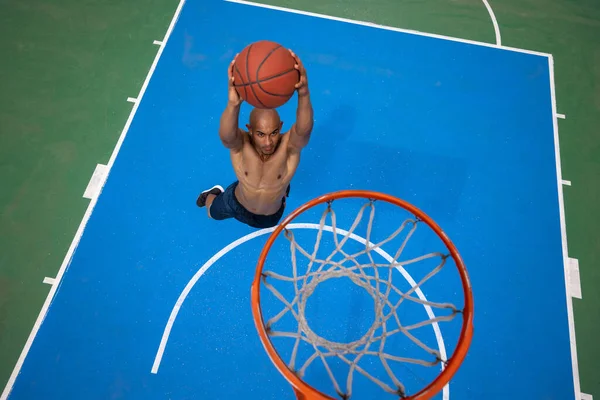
<point x="66" y="261"/>
<point x="157" y="42"/>
<point x="585" y="396"/>
<point x="96" y="182"/>
<point x="574" y="279"/>
<point x="563" y="231"/>
<point x="49" y="281"/>
<point x="192" y="282"/>
<point x="391" y="28"/>
<point x="561" y="116"/>
<point x="132" y="99"/>
<point x="565" y="182"/>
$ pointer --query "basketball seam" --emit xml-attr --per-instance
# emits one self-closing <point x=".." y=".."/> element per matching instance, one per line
<point x="273" y="50"/>
<point x="268" y="78"/>
<point x="258" y="70"/>
<point x="274" y="94"/>
<point x="248" y="75"/>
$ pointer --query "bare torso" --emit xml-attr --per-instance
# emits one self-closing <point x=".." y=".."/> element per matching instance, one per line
<point x="263" y="184"/>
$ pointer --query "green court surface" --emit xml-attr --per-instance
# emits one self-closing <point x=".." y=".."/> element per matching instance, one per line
<point x="68" y="68"/>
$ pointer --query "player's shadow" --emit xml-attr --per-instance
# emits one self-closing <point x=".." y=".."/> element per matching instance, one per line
<point x="349" y="151"/>
<point x="317" y="169"/>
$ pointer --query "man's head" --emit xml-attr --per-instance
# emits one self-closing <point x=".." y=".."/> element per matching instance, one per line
<point x="265" y="130"/>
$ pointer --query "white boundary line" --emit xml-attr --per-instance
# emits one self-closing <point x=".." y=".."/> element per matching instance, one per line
<point x="86" y="216"/>
<point x="561" y="116"/>
<point x="494" y="22"/>
<point x="157" y="42"/>
<point x="132" y="99"/>
<point x="255" y="234"/>
<point x="563" y="229"/>
<point x="389" y="28"/>
<point x="566" y="182"/>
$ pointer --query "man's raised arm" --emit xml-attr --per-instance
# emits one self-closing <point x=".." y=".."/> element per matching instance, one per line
<point x="229" y="131"/>
<point x="302" y="128"/>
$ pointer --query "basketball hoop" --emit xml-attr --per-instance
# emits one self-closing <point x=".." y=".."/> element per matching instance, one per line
<point x="385" y="310"/>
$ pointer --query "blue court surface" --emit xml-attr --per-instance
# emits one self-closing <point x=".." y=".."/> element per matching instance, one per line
<point x="155" y="301"/>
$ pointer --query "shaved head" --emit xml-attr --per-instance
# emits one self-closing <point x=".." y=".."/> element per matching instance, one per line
<point x="265" y="130"/>
<point x="264" y="116"/>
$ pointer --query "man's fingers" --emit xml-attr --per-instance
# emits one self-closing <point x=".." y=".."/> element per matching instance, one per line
<point x="295" y="56"/>
<point x="300" y="83"/>
<point x="300" y="68"/>
<point x="231" y="76"/>
<point x="231" y="64"/>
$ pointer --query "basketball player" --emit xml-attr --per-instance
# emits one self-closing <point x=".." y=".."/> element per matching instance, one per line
<point x="264" y="160"/>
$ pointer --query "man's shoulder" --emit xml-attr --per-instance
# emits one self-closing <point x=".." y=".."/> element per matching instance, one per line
<point x="245" y="134"/>
<point x="287" y="144"/>
<point x="245" y="139"/>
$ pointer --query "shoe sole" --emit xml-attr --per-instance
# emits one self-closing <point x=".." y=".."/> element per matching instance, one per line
<point x="214" y="187"/>
<point x="207" y="191"/>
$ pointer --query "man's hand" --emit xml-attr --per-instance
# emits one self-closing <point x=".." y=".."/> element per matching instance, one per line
<point x="234" y="96"/>
<point x="302" y="85"/>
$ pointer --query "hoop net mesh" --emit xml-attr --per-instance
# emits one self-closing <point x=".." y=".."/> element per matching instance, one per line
<point x="376" y="279"/>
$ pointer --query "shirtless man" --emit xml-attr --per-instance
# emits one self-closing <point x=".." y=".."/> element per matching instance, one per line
<point x="264" y="159"/>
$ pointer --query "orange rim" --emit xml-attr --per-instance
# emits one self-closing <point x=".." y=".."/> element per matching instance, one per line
<point x="305" y="391"/>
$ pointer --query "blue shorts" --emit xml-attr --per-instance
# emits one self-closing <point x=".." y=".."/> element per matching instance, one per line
<point x="226" y="205"/>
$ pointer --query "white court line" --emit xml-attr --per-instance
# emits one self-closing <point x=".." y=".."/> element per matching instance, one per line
<point x="389" y="28"/>
<point x="561" y="116"/>
<point x="565" y="182"/>
<point x="563" y="231"/>
<point x="86" y="216"/>
<point x="494" y="22"/>
<point x="49" y="281"/>
<point x="157" y="42"/>
<point x="132" y="99"/>
<point x="585" y="396"/>
<point x="250" y="236"/>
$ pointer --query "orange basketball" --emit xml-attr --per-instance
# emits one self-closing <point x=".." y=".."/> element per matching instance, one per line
<point x="264" y="74"/>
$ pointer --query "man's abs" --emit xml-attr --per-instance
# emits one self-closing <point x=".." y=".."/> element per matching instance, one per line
<point x="261" y="201"/>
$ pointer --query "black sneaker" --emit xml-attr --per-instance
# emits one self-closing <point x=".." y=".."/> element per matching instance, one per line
<point x="216" y="190"/>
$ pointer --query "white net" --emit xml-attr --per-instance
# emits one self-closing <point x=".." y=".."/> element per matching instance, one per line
<point x="376" y="279"/>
